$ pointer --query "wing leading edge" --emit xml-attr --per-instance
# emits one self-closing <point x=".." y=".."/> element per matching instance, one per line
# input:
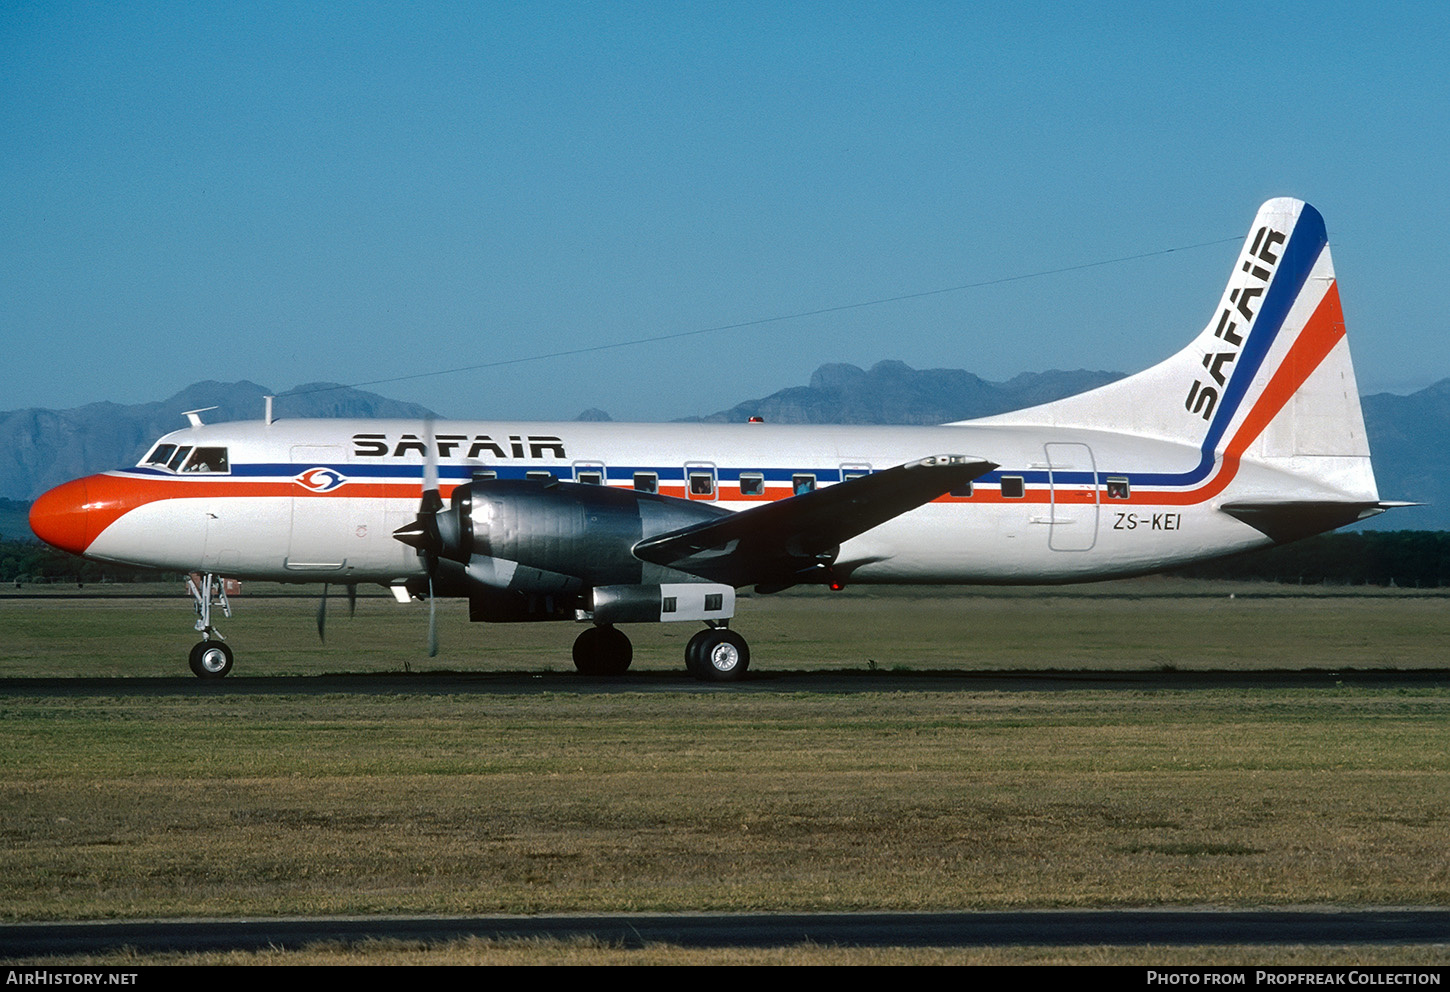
<point x="797" y="539"/>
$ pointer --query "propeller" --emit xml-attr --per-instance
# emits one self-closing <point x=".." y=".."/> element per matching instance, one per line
<point x="322" y="609"/>
<point x="423" y="533"/>
<point x="322" y="615"/>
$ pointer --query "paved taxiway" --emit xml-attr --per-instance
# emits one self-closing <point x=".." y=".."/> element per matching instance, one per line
<point x="1040" y="928"/>
<point x="451" y="683"/>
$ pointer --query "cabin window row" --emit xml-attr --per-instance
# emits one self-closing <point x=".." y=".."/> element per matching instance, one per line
<point x="212" y="460"/>
<point x="698" y="483"/>
<point x="703" y="483"/>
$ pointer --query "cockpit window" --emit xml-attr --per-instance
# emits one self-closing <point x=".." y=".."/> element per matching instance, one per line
<point x="161" y="455"/>
<point x="189" y="459"/>
<point x="212" y="460"/>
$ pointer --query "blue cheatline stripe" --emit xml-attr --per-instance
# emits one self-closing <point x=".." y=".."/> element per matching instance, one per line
<point x="283" y="472"/>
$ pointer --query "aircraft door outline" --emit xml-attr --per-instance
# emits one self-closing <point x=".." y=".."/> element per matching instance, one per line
<point x="1072" y="484"/>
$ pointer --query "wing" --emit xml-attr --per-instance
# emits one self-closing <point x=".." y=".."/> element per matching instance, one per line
<point x="786" y="542"/>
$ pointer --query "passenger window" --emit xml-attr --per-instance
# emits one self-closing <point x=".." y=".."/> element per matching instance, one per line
<point x="646" y="482"/>
<point x="1117" y="488"/>
<point x="1012" y="487"/>
<point x="591" y="478"/>
<point x="484" y="475"/>
<point x="802" y="484"/>
<point x="962" y="491"/>
<point x="752" y="484"/>
<point x="701" y="483"/>
<point x="540" y="476"/>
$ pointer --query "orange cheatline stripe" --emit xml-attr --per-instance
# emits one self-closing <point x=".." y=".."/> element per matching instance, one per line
<point x="1323" y="331"/>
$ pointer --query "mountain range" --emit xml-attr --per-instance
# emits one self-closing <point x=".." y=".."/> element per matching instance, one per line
<point x="40" y="448"/>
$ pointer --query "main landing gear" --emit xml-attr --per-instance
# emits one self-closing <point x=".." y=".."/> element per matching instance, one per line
<point x="713" y="655"/>
<point x="210" y="659"/>
<point x="717" y="655"/>
<point x="602" y="650"/>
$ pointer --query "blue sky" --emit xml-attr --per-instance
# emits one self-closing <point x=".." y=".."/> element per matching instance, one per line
<point x="358" y="191"/>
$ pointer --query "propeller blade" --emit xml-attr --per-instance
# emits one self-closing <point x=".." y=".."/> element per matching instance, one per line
<point x="351" y="599"/>
<point x="421" y="533"/>
<point x="322" y="615"/>
<point x="431" y="504"/>
<point x="432" y="499"/>
<point x="432" y="621"/>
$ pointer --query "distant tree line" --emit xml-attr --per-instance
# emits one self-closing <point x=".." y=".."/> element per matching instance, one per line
<point x="1407" y="558"/>
<point x="32" y="562"/>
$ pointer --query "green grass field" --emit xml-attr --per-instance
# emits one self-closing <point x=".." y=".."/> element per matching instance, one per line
<point x="227" y="804"/>
<point x="559" y="802"/>
<point x="1131" y="625"/>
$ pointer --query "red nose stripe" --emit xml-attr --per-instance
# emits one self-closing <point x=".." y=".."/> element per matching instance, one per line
<point x="72" y="515"/>
<point x="59" y="517"/>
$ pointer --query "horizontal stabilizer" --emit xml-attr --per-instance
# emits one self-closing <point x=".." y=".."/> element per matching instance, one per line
<point x="784" y="542"/>
<point x="1292" y="521"/>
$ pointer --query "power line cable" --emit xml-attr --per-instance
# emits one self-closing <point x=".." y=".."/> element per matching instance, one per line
<point x="759" y="321"/>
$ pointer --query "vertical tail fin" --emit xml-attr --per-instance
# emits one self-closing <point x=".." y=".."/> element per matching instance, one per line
<point x="1269" y="378"/>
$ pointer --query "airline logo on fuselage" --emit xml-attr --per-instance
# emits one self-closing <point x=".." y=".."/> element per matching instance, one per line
<point x="458" y="446"/>
<point x="1243" y="301"/>
<point x="321" y="480"/>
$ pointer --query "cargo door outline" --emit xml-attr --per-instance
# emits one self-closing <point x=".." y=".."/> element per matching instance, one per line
<point x="1072" y="484"/>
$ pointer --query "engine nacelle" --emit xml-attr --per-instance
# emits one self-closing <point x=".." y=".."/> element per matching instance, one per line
<point x="657" y="603"/>
<point x="534" y="550"/>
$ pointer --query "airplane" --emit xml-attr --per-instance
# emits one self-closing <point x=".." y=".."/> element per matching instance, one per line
<point x="1250" y="436"/>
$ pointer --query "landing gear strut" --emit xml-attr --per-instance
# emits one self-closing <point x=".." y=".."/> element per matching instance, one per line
<point x="717" y="655"/>
<point x="602" y="650"/>
<point x="210" y="658"/>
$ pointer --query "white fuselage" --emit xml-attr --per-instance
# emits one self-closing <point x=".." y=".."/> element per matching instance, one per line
<point x="319" y="500"/>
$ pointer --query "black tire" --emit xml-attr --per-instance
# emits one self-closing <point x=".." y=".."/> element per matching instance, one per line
<point x="717" y="656"/>
<point x="602" y="650"/>
<point x="694" y="656"/>
<point x="211" y="660"/>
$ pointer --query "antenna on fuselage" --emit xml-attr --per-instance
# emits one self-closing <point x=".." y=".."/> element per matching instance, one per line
<point x="267" y="413"/>
<point x="194" y="416"/>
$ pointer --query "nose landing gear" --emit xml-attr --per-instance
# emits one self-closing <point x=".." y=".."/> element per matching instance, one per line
<point x="210" y="658"/>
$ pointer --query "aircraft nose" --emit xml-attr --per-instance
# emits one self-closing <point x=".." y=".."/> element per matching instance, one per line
<point x="61" y="517"/>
